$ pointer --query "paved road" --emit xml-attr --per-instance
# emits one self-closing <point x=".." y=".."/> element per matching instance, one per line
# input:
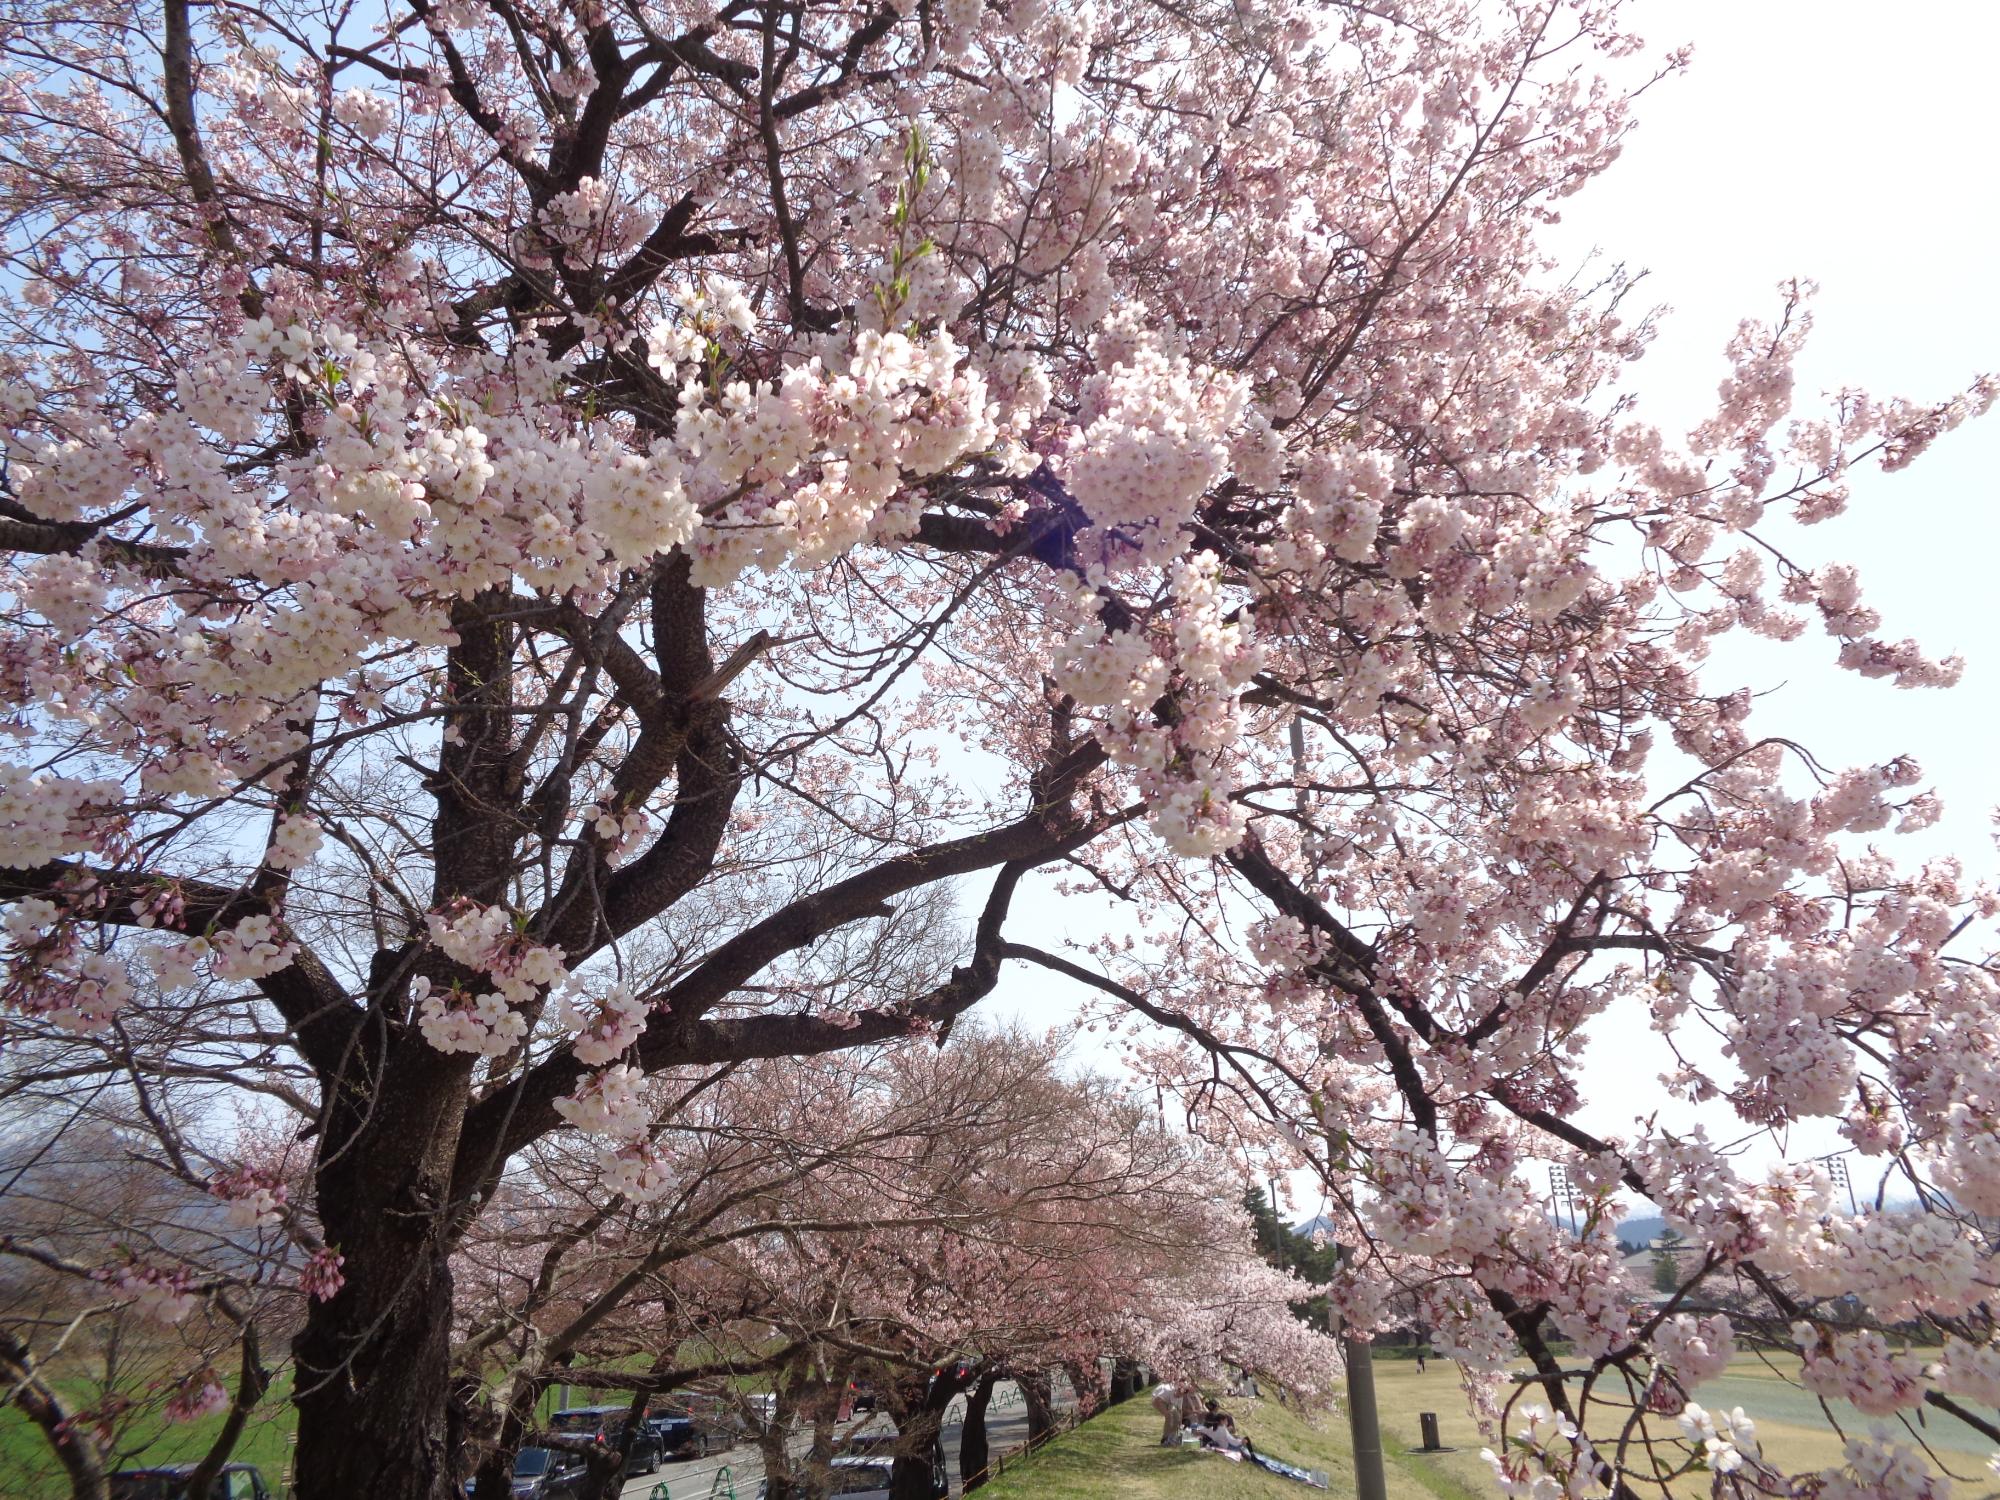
<point x="701" y="1478"/>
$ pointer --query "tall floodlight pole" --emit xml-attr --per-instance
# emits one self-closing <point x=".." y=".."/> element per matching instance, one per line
<point x="1363" y="1423"/>
<point x="1563" y="1194"/>
<point x="1836" y="1170"/>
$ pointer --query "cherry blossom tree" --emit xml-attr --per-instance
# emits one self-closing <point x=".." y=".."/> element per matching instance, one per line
<point x="879" y="1216"/>
<point x="543" y="539"/>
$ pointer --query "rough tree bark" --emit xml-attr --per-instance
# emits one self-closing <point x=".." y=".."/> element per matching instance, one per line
<point x="373" y="1361"/>
<point x="40" y="1403"/>
<point x="920" y="1423"/>
<point x="1035" y="1394"/>
<point x="974" y="1453"/>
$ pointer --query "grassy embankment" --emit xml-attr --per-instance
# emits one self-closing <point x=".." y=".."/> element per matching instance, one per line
<point x="1117" y="1457"/>
<point x="1790" y="1424"/>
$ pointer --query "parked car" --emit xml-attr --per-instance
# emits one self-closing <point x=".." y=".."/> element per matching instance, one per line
<point x="682" y="1435"/>
<point x="879" y="1442"/>
<point x="959" y="1372"/>
<point x="169" y="1482"/>
<point x="862" y="1477"/>
<point x="858" y="1476"/>
<point x="606" y="1424"/>
<point x="882" y="1442"/>
<point x="716" y="1421"/>
<point x="545" y="1474"/>
<point x="854" y="1478"/>
<point x="861" y="1393"/>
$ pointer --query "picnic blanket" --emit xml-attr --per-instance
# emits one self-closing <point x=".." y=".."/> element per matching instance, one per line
<point x="1316" y="1478"/>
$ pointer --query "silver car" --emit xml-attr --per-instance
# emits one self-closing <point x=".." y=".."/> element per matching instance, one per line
<point x="862" y="1478"/>
<point x="855" y="1477"/>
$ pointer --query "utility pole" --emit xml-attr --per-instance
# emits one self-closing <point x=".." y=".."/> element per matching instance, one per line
<point x="1364" y="1424"/>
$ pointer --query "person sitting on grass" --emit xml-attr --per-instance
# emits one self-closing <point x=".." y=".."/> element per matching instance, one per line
<point x="1223" y="1435"/>
<point x="1217" y="1431"/>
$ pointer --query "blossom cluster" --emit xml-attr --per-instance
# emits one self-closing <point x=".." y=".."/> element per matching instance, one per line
<point x="256" y="1198"/>
<point x="485" y="939"/>
<point x="165" y="1296"/>
<point x="598" y="1040"/>
<point x="43" y="818"/>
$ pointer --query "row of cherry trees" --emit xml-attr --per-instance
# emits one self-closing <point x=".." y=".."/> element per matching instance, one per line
<point x="883" y="1218"/>
<point x="547" y="540"/>
<point x="874" y="1215"/>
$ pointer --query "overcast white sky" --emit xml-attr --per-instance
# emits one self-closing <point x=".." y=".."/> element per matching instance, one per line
<point x="1853" y="144"/>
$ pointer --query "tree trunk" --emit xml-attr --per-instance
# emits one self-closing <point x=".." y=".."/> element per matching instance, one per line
<point x="810" y="1400"/>
<point x="1035" y="1395"/>
<point x="912" y="1477"/>
<point x="252" y="1382"/>
<point x="1086" y="1382"/>
<point x="1124" y="1380"/>
<point x="507" y="1428"/>
<point x="919" y="1425"/>
<point x="973" y="1451"/>
<point x="72" y="1441"/>
<point x="373" y="1384"/>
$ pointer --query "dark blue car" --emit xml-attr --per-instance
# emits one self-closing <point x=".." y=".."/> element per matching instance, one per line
<point x="544" y="1474"/>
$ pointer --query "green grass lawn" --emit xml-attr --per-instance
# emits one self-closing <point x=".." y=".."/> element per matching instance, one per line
<point x="1790" y="1425"/>
<point x="1117" y="1456"/>
<point x="29" y="1471"/>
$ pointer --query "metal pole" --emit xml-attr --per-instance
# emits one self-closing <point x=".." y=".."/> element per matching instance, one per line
<point x="1364" y="1424"/>
<point x="1277" y="1225"/>
<point x="1838" y="1176"/>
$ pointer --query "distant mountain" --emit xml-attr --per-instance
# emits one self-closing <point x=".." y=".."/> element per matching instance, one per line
<point x="1313" y="1226"/>
<point x="1637" y="1234"/>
